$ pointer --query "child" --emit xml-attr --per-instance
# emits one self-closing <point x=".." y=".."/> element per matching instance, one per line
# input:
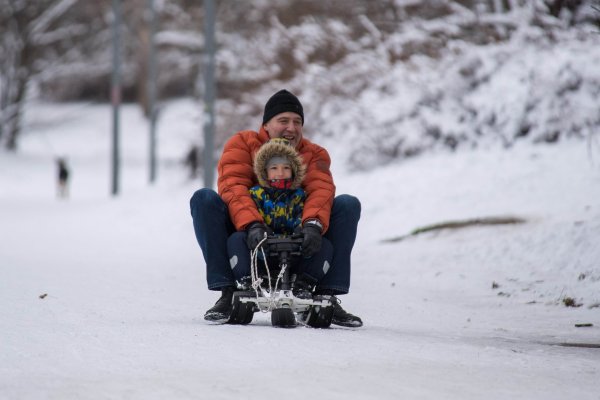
<point x="278" y="195"/>
<point x="279" y="198"/>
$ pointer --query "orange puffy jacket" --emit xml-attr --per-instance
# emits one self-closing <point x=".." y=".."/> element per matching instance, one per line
<point x="236" y="177"/>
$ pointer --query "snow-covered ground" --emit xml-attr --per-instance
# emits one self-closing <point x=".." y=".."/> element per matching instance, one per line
<point x="125" y="282"/>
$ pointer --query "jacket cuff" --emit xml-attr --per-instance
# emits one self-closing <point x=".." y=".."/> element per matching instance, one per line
<point x="314" y="222"/>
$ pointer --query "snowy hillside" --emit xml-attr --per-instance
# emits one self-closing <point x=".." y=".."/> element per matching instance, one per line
<point x="529" y="87"/>
<point x="447" y="77"/>
<point x="103" y="298"/>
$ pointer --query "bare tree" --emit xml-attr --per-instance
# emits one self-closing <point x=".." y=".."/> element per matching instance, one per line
<point x="34" y="34"/>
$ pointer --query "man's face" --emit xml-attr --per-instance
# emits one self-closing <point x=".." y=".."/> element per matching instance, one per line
<point x="287" y="125"/>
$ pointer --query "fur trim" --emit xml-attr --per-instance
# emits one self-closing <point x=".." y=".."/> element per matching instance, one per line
<point x="278" y="148"/>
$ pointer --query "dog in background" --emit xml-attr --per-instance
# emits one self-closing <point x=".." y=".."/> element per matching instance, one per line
<point x="62" y="178"/>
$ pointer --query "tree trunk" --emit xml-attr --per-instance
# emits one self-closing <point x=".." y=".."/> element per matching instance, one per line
<point x="142" y="55"/>
<point x="14" y="88"/>
<point x="13" y="125"/>
<point x="138" y="16"/>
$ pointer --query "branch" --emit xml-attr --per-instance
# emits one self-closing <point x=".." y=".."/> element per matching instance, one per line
<point x="41" y="23"/>
<point x="458" y="225"/>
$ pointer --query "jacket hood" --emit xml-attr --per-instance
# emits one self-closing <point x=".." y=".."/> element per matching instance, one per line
<point x="278" y="148"/>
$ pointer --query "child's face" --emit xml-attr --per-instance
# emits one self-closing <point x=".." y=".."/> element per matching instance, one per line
<point x="279" y="171"/>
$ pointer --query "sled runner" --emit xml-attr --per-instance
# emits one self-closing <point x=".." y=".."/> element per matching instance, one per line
<point x="274" y="290"/>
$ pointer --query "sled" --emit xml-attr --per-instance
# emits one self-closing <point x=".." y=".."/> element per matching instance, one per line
<point x="272" y="291"/>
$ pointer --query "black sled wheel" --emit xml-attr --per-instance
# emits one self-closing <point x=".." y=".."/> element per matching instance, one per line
<point x="283" y="318"/>
<point x="242" y="313"/>
<point x="319" y="317"/>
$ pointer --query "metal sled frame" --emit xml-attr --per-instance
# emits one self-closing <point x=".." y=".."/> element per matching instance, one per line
<point x="280" y="300"/>
<point x="267" y="301"/>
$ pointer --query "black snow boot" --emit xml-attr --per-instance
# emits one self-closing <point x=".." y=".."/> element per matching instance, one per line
<point x="342" y="317"/>
<point x="221" y="311"/>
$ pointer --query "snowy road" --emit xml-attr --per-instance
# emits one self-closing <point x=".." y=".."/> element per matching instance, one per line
<point x="126" y="291"/>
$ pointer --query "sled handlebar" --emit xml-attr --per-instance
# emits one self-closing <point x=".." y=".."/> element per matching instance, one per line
<point x="291" y="245"/>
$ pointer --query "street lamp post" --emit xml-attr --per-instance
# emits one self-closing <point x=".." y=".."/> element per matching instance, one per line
<point x="152" y="90"/>
<point x="209" y="92"/>
<point x="115" y="94"/>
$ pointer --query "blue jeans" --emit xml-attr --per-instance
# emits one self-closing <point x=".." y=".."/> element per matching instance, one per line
<point x="213" y="227"/>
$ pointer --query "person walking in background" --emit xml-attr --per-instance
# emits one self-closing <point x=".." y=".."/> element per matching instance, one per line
<point x="192" y="161"/>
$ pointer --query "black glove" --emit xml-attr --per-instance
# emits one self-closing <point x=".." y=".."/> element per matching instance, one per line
<point x="254" y="234"/>
<point x="312" y="239"/>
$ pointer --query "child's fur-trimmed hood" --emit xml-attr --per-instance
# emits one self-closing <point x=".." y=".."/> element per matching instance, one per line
<point x="278" y="148"/>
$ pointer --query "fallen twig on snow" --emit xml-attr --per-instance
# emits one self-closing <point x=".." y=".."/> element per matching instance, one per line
<point x="582" y="345"/>
<point x="458" y="225"/>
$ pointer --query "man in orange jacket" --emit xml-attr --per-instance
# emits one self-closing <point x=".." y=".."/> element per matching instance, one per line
<point x="217" y="216"/>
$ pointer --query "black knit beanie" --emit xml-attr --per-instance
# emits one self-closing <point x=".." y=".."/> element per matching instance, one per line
<point x="280" y="102"/>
